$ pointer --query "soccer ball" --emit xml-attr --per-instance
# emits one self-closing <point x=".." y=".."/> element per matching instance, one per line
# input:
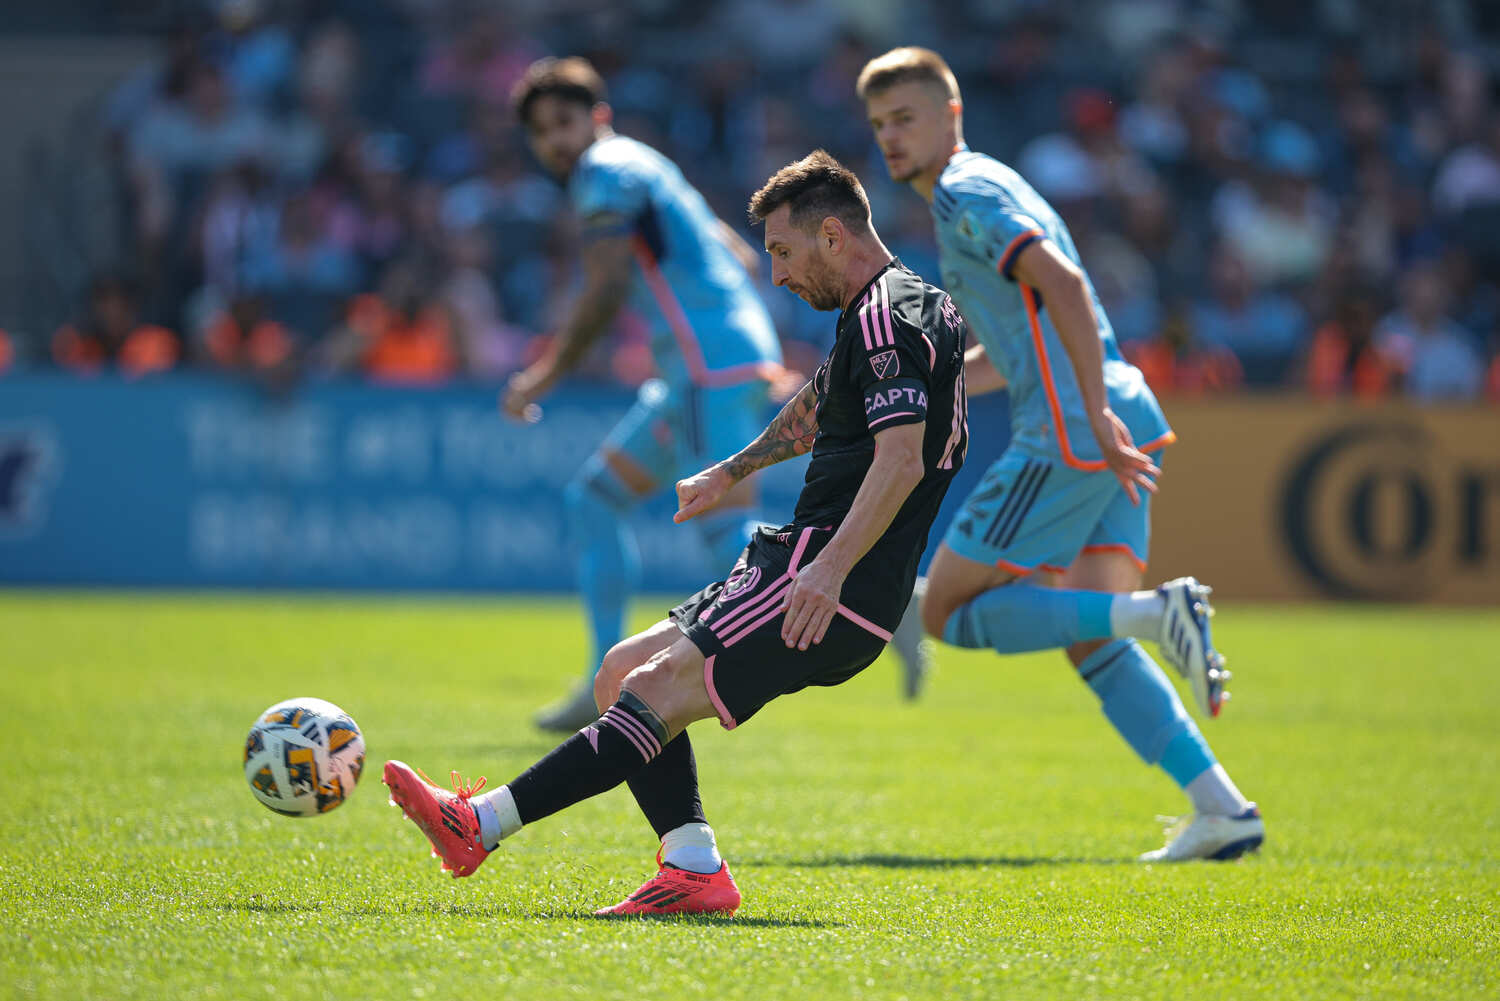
<point x="303" y="757"/>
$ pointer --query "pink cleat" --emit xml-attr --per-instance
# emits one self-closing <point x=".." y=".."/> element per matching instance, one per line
<point x="677" y="891"/>
<point x="445" y="817"/>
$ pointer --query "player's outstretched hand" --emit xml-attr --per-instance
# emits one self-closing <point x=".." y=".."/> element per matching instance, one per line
<point x="1134" y="468"/>
<point x="810" y="604"/>
<point x="701" y="492"/>
<point x="515" y="400"/>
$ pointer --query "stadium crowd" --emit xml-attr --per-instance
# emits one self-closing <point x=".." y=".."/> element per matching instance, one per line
<point x="1266" y="195"/>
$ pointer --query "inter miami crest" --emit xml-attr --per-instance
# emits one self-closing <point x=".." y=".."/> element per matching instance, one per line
<point x="885" y="364"/>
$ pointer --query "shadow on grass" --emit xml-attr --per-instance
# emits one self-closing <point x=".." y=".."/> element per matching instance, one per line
<point x="927" y="862"/>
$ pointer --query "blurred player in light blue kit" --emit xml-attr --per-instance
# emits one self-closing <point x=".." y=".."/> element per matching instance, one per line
<point x="1070" y="497"/>
<point x="649" y="237"/>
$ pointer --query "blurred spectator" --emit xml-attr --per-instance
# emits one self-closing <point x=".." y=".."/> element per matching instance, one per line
<point x="493" y="347"/>
<point x="1343" y="358"/>
<point x="399" y="335"/>
<point x="7" y="352"/>
<point x="1176" y="362"/>
<point x="244" y="338"/>
<point x="1265" y="330"/>
<point x="1281" y="225"/>
<point x="112" y="335"/>
<point x="304" y="273"/>
<point x="1435" y="358"/>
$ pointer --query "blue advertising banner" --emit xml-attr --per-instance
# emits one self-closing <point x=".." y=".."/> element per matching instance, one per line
<point x="191" y="481"/>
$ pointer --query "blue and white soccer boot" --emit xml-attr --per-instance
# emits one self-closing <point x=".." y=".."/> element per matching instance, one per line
<point x="1211" y="836"/>
<point x="1187" y="643"/>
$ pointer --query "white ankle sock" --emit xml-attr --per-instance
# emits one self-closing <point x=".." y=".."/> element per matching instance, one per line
<point x="498" y="817"/>
<point x="1213" y="791"/>
<point x="1138" y="614"/>
<point x="692" y="847"/>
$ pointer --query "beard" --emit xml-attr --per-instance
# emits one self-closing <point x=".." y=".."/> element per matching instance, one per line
<point x="824" y="292"/>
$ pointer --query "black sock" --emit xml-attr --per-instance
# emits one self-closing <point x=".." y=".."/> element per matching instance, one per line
<point x="594" y="760"/>
<point x="667" y="788"/>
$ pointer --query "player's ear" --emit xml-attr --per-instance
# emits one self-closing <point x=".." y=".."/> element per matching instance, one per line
<point x="833" y="233"/>
<point x="602" y="114"/>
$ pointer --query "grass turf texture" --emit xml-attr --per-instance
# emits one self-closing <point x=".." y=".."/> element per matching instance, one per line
<point x="976" y="844"/>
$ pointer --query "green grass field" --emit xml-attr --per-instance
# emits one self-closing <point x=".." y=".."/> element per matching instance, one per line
<point x="977" y="844"/>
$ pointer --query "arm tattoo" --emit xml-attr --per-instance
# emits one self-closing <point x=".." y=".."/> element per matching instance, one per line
<point x="791" y="433"/>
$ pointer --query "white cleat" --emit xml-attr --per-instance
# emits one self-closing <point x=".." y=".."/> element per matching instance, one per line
<point x="914" y="649"/>
<point x="571" y="714"/>
<point x="1187" y="643"/>
<point x="1211" y="836"/>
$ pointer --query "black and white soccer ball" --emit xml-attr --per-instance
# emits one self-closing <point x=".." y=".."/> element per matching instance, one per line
<point x="303" y="757"/>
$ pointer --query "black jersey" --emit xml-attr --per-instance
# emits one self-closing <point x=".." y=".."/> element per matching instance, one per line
<point x="897" y="358"/>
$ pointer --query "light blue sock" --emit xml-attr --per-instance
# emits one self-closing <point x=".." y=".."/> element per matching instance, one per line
<point x="1143" y="706"/>
<point x="1018" y="618"/>
<point x="607" y="559"/>
<point x="725" y="535"/>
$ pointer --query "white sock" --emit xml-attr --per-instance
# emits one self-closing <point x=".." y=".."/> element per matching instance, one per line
<point x="498" y="817"/>
<point x="1213" y="791"/>
<point x="692" y="847"/>
<point x="1137" y="614"/>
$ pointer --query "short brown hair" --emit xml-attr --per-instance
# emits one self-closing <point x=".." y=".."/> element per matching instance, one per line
<point x="816" y="187"/>
<point x="907" y="64"/>
<point x="572" y="79"/>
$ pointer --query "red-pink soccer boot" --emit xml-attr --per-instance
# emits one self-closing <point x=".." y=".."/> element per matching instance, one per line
<point x="677" y="891"/>
<point x="445" y="817"/>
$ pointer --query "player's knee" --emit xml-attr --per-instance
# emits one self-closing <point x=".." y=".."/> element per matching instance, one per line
<point x="665" y="684"/>
<point x="617" y="663"/>
<point x="1080" y="652"/>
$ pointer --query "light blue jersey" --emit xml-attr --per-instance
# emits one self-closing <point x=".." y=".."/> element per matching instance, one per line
<point x="986" y="214"/>
<point x="709" y="327"/>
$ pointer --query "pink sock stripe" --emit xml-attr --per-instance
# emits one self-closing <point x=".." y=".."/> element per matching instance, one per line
<point x="607" y="720"/>
<point x="885" y="311"/>
<point x="727" y="721"/>
<point x="797" y="553"/>
<point x="644" y="740"/>
<point x="864" y="623"/>
<point x="750" y="607"/>
<point x="730" y="641"/>
<point x="641" y="730"/>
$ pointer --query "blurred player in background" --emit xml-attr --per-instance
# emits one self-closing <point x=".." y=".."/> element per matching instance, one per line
<point x="649" y="233"/>
<point x="1070" y="495"/>
<point x="811" y="603"/>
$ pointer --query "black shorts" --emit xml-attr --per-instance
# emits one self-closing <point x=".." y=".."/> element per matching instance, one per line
<point x="737" y="625"/>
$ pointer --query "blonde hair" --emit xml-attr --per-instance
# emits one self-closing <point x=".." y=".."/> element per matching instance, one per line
<point x="910" y="63"/>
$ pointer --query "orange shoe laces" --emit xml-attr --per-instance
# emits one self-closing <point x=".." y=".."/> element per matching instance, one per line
<point x="461" y="789"/>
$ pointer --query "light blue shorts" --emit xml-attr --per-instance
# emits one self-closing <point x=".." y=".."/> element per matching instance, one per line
<point x="1036" y="513"/>
<point x="675" y="431"/>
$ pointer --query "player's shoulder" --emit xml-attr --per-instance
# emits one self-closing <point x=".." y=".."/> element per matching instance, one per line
<point x="897" y="303"/>
<point x="618" y="156"/>
<point x="974" y="182"/>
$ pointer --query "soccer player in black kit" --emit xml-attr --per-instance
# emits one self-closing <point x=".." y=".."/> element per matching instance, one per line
<point x="811" y="603"/>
